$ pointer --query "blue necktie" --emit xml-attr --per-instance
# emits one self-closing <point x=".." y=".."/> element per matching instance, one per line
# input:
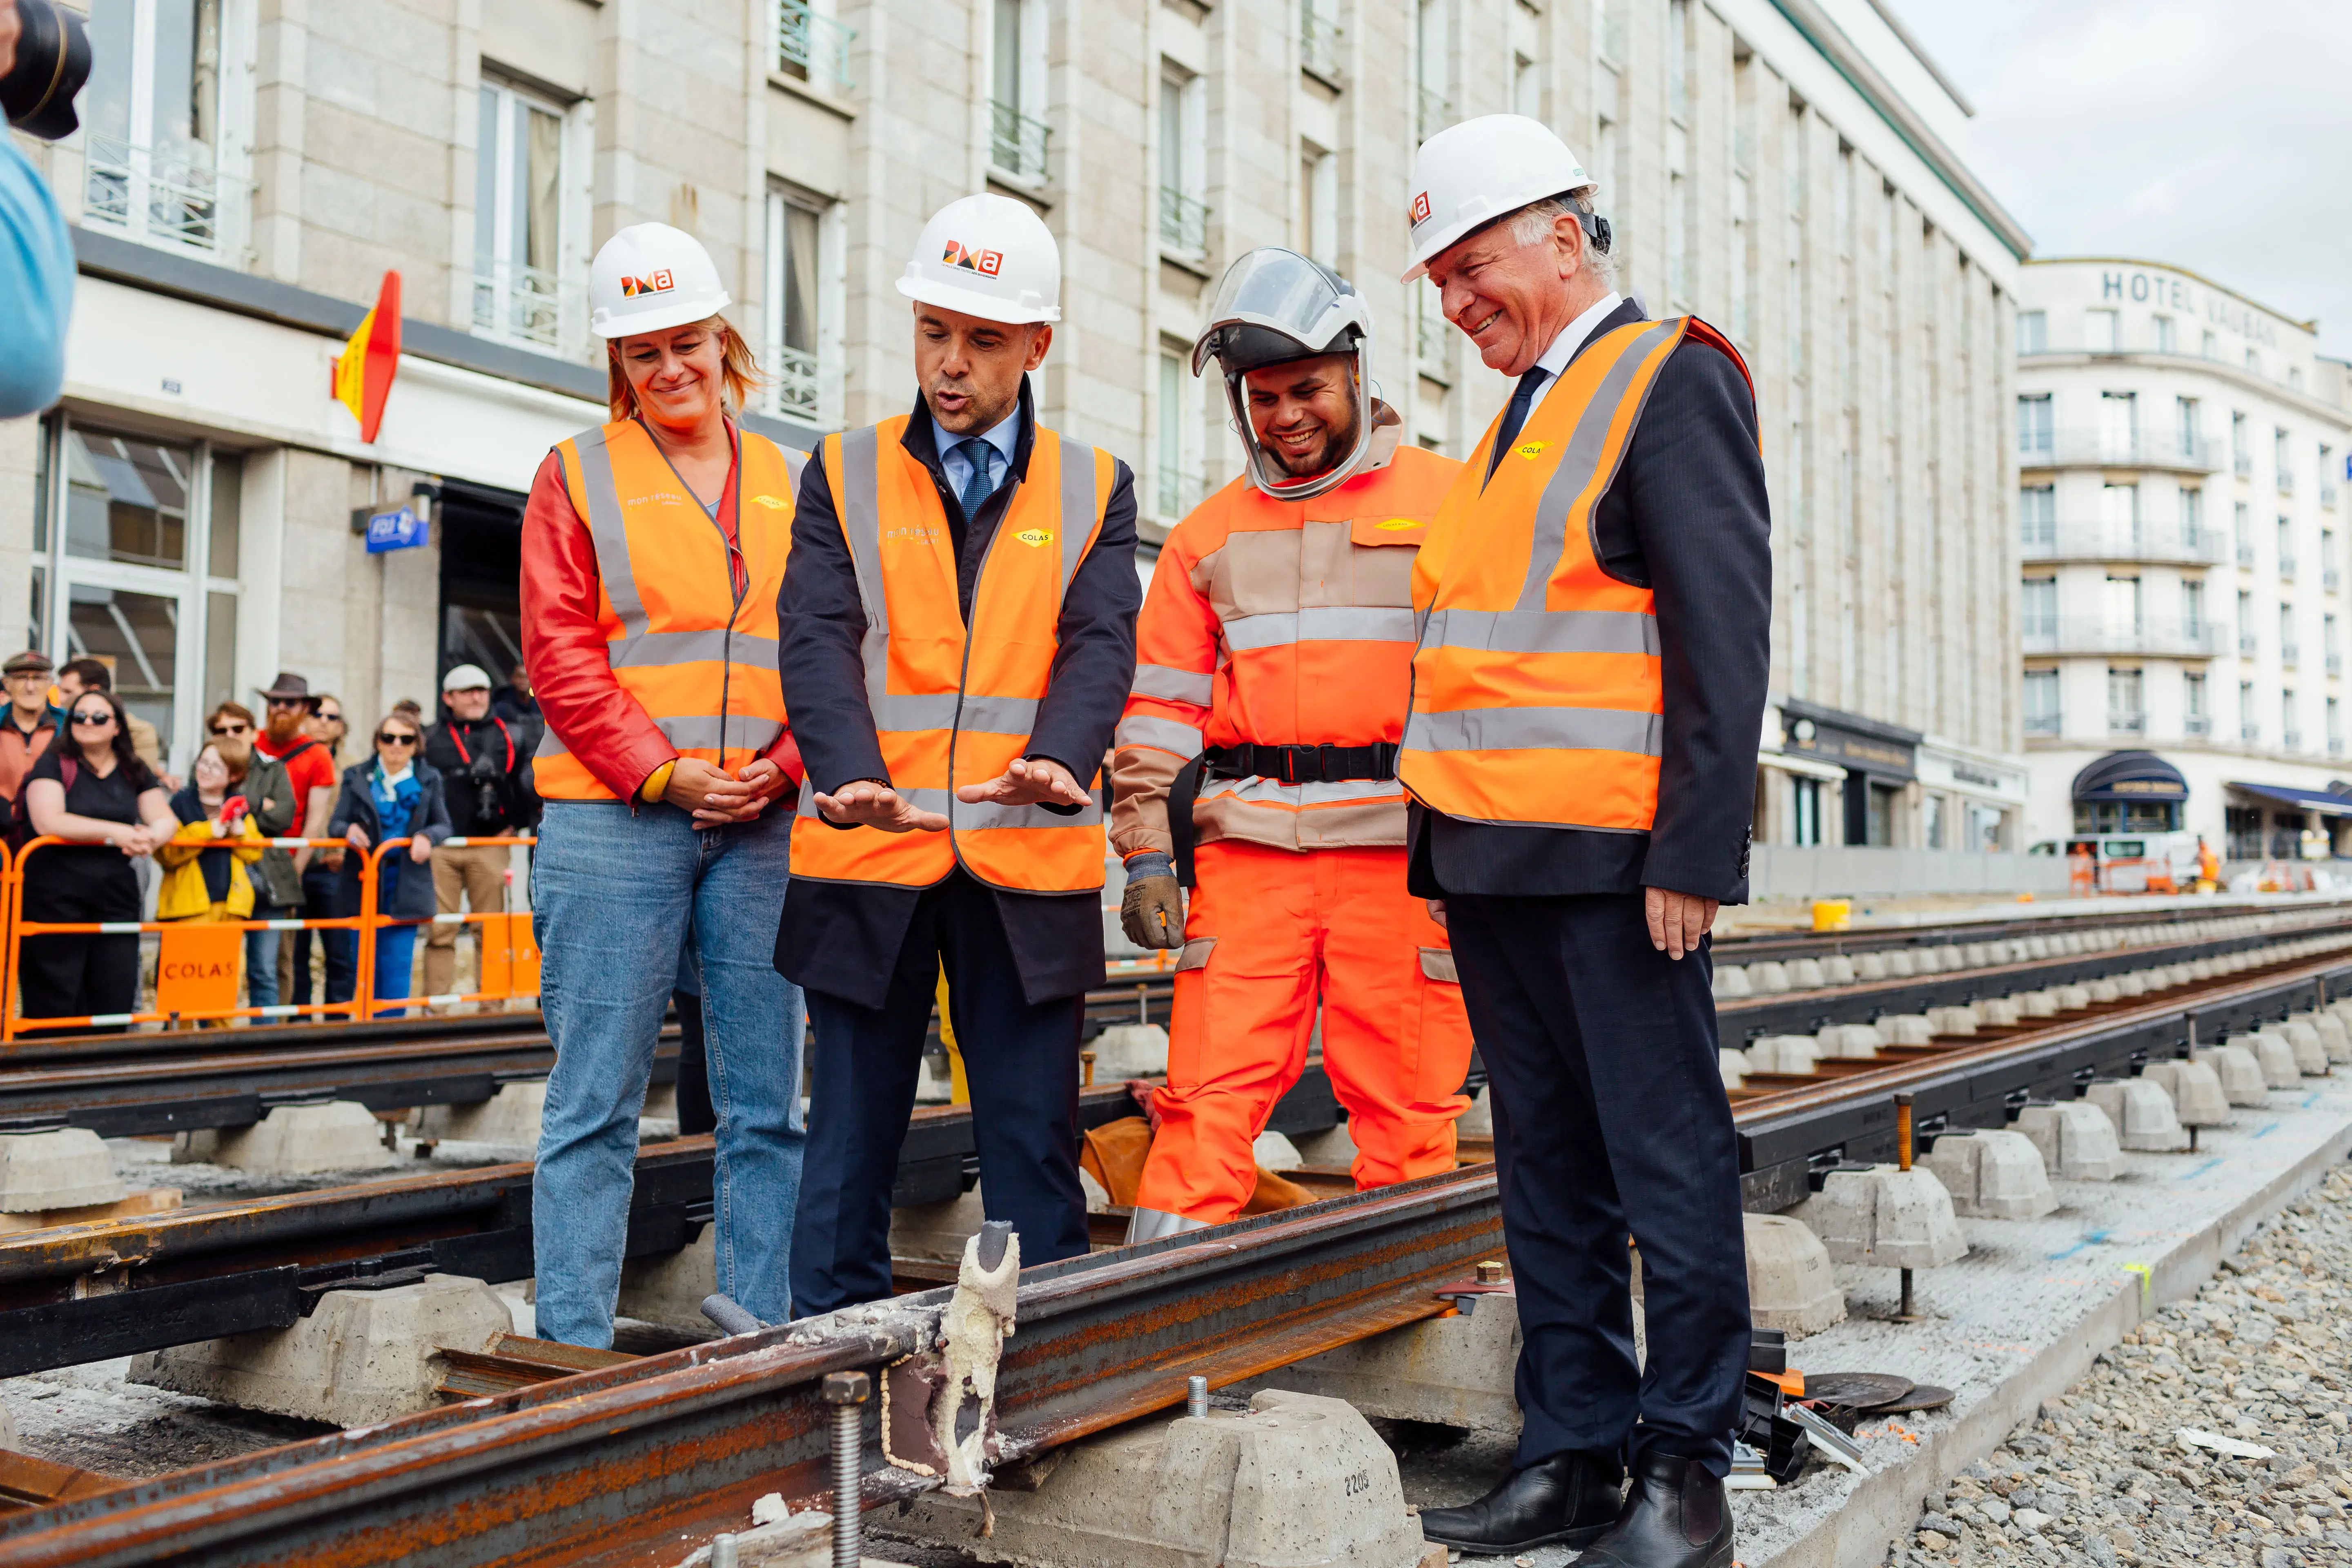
<point x="977" y="488"/>
<point x="1516" y="416"/>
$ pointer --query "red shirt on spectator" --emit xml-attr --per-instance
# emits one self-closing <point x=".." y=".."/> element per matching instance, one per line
<point x="307" y="770"/>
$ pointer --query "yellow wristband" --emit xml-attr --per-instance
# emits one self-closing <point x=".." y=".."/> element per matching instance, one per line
<point x="657" y="781"/>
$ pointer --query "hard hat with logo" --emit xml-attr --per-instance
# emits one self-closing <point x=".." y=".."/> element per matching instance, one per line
<point x="1467" y="175"/>
<point x="649" y="278"/>
<point x="987" y="256"/>
<point x="1274" y="306"/>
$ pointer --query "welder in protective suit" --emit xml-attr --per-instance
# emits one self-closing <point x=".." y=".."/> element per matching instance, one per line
<point x="1255" y="763"/>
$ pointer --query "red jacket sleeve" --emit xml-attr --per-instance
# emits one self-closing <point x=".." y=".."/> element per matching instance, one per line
<point x="564" y="645"/>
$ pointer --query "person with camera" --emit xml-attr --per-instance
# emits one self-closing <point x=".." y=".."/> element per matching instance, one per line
<point x="486" y="762"/>
<point x="44" y="60"/>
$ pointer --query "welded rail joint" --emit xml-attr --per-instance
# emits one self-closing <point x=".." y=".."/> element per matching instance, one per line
<point x="938" y="1407"/>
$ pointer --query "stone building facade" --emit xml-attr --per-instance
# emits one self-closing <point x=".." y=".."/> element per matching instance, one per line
<point x="2182" y="455"/>
<point x="1782" y="167"/>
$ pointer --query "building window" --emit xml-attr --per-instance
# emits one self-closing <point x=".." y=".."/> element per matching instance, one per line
<point x="2286" y="546"/>
<point x="2037" y="511"/>
<point x="2119" y="425"/>
<point x="2195" y="721"/>
<point x="2042" y="717"/>
<point x="2335" y="727"/>
<point x="1319" y="38"/>
<point x="2033" y="430"/>
<point x="2127" y="701"/>
<point x="2245" y="624"/>
<point x="2243" y="519"/>
<point x="2282" y="460"/>
<point x="1806" y="818"/>
<point x="1183" y="158"/>
<point x="2189" y="419"/>
<point x="2330" y="578"/>
<point x="2327" y="475"/>
<point x="1318" y="204"/>
<point x="804" y="286"/>
<point x="519" y="192"/>
<point x="2249" y="729"/>
<point x="2290" y="732"/>
<point x="2328" y="648"/>
<point x="1435" y="107"/>
<point x="157" y="162"/>
<point x="2038" y="607"/>
<point x="2162" y="333"/>
<point x="2032" y="332"/>
<point x="2192" y="518"/>
<point x="1016" y="109"/>
<point x="2254" y="363"/>
<point x="2123" y="608"/>
<point x="1526" y="87"/>
<point x="1180" y="486"/>
<point x="2211" y="347"/>
<point x="1931" y="820"/>
<point x="2193" y="609"/>
<point x="2242" y="453"/>
<point x="2289" y="653"/>
<point x="2119" y="516"/>
<point x="144" y="570"/>
<point x="2099" y="331"/>
<point x="810" y="44"/>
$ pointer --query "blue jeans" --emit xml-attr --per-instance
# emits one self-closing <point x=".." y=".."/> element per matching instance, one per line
<point x="613" y="896"/>
<point x="395" y="959"/>
<point x="261" y="960"/>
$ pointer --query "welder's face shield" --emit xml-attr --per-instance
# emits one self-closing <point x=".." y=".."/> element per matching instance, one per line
<point x="1274" y="306"/>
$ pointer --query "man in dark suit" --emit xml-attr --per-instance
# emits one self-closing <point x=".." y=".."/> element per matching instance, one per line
<point x="1583" y="750"/>
<point x="957" y="641"/>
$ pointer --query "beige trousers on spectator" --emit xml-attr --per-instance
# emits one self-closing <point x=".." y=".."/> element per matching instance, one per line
<point x="478" y="871"/>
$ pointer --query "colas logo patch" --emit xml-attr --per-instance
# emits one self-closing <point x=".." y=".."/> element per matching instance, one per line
<point x="987" y="263"/>
<point x="774" y="503"/>
<point x="1420" y="213"/>
<point x="1398" y="525"/>
<point x="659" y="281"/>
<point x="1035" y="538"/>
<point x="1529" y="449"/>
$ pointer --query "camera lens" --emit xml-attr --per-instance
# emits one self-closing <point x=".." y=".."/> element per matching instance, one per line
<point x="52" y="64"/>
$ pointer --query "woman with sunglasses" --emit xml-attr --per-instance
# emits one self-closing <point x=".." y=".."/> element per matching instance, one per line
<point x="94" y="792"/>
<point x="397" y="796"/>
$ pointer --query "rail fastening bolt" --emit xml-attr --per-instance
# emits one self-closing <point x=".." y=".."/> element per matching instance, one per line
<point x="1196" y="1398"/>
<point x="1490" y="1272"/>
<point x="848" y="1391"/>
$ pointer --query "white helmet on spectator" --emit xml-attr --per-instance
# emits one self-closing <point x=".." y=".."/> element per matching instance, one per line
<point x="650" y="277"/>
<point x="987" y="256"/>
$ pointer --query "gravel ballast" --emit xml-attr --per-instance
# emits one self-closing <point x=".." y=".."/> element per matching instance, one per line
<point x="2259" y="1355"/>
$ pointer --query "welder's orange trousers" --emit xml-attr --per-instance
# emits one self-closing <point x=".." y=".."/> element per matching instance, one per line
<point x="1268" y="934"/>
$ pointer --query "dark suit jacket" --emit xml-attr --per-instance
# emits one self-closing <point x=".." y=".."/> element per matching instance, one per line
<point x="1685" y="517"/>
<point x="842" y="937"/>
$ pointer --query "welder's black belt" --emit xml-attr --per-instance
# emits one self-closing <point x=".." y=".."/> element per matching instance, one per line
<point x="1277" y="764"/>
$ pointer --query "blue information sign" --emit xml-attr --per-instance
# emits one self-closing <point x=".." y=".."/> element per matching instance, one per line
<point x="402" y="529"/>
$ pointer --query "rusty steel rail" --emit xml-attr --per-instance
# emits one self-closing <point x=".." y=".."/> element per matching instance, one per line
<point x="636" y="1464"/>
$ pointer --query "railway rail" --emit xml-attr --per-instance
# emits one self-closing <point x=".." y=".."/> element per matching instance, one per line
<point x="637" y="1462"/>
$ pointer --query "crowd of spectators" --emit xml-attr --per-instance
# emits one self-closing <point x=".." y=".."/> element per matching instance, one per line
<point x="140" y="843"/>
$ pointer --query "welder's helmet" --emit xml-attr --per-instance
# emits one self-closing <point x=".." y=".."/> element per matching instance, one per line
<point x="1274" y="306"/>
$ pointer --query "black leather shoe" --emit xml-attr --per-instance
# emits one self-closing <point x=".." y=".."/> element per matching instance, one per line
<point x="1568" y="1498"/>
<point x="1676" y="1516"/>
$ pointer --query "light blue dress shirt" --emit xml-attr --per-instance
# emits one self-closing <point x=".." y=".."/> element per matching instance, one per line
<point x="1002" y="438"/>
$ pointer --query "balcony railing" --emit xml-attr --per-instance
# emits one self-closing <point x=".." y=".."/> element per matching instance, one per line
<point x="2286" y="563"/>
<point x="2331" y="579"/>
<point x="2335" y="745"/>
<point x="2291" y="741"/>
<point x="2126" y="722"/>
<point x="1180" y="492"/>
<point x="809" y="45"/>
<point x="172" y="200"/>
<point x="1318" y="41"/>
<point x="2285" y="481"/>
<point x="2334" y="664"/>
<point x="2243" y="463"/>
<point x="2196" y="725"/>
<point x="1184" y="223"/>
<point x="2088" y="538"/>
<point x="2117" y="449"/>
<point x="2327" y="494"/>
<point x="1436" y="113"/>
<point x="2290" y="654"/>
<point x="524" y="305"/>
<point x="2044" y="723"/>
<point x="2246" y="555"/>
<point x="1016" y="144"/>
<point x="798" y="390"/>
<point x="2089" y="634"/>
<point x="2250" y="734"/>
<point x="1432" y="335"/>
<point x="2248" y="645"/>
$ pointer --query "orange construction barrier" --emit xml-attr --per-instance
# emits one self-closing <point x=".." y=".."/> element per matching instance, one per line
<point x="196" y="978"/>
<point x="509" y="950"/>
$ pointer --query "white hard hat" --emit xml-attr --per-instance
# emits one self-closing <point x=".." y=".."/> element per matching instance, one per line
<point x="650" y="277"/>
<point x="1274" y="306"/>
<point x="466" y="678"/>
<point x="1467" y="175"/>
<point x="987" y="256"/>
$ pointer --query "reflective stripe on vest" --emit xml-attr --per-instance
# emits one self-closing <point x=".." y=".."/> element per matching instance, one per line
<point x="1538" y="699"/>
<point x="952" y="707"/>
<point x="699" y="662"/>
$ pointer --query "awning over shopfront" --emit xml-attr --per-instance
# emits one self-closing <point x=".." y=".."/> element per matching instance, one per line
<point x="2130" y="776"/>
<point x="2295" y="799"/>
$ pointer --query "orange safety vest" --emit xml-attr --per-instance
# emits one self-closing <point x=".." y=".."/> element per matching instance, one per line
<point x="700" y="661"/>
<point x="1536" y="695"/>
<point x="1283" y="623"/>
<point x="954" y="705"/>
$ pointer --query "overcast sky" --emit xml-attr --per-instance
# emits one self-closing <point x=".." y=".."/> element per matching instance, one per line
<point x="2212" y="134"/>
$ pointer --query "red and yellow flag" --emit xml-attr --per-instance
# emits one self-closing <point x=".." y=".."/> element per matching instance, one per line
<point x="364" y="370"/>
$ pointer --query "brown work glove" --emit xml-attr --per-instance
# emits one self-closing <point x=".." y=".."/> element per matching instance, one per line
<point x="1153" y="911"/>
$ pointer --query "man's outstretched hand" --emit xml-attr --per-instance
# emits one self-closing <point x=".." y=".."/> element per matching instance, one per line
<point x="866" y="803"/>
<point x="1027" y="781"/>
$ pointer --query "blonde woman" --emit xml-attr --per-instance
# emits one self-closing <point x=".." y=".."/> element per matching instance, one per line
<point x="653" y="548"/>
